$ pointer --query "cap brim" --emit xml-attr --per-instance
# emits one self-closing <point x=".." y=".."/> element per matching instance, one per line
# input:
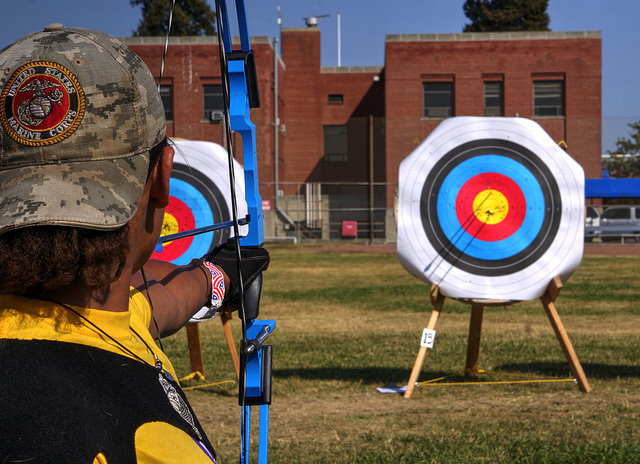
<point x="94" y="194"/>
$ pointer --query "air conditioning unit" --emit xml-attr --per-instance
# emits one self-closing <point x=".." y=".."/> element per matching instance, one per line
<point x="217" y="116"/>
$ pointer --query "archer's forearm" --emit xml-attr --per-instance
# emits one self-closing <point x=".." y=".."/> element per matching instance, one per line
<point x="176" y="292"/>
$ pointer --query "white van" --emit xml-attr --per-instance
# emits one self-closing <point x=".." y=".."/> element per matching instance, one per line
<point x="618" y="222"/>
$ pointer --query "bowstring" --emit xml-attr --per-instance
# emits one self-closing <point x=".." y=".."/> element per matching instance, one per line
<point x="144" y="277"/>
<point x="153" y="313"/>
<point x="166" y="44"/>
<point x="234" y="206"/>
<point x="224" y="74"/>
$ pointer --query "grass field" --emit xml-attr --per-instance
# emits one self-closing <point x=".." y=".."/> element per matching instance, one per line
<point x="351" y="322"/>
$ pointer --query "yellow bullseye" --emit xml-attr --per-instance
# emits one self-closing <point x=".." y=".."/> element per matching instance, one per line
<point x="490" y="206"/>
<point x="169" y="226"/>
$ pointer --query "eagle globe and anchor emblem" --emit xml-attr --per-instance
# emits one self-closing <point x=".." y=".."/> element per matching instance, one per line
<point x="32" y="112"/>
<point x="41" y="104"/>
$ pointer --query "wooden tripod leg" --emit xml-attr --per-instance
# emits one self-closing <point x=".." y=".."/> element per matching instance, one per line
<point x="225" y="318"/>
<point x="437" y="299"/>
<point x="473" y="344"/>
<point x="548" y="300"/>
<point x="195" y="349"/>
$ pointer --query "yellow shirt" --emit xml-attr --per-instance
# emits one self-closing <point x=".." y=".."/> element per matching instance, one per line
<point x="31" y="319"/>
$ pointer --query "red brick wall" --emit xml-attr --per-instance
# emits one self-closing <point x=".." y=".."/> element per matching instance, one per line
<point x="363" y="98"/>
<point x="192" y="62"/>
<point x="301" y="54"/>
<point x="412" y="60"/>
<point x="393" y="96"/>
<point x="308" y="110"/>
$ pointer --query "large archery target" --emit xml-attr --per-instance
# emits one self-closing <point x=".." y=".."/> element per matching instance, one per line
<point x="200" y="196"/>
<point x="490" y="208"/>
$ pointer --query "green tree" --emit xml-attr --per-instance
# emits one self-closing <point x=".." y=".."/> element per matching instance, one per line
<point x="190" y="17"/>
<point x="624" y="161"/>
<point x="506" y="15"/>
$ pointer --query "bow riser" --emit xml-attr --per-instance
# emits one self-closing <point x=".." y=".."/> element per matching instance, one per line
<point x="239" y="112"/>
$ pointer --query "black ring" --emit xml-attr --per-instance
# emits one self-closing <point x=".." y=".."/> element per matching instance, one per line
<point x="485" y="267"/>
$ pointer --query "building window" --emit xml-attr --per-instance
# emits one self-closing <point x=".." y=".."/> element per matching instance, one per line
<point x="548" y="98"/>
<point x="335" y="144"/>
<point x="212" y="102"/>
<point x="493" y="99"/>
<point x="166" y="95"/>
<point x="438" y="99"/>
<point x="335" y="99"/>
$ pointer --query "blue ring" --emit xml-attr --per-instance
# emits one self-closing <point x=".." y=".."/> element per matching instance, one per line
<point x="202" y="214"/>
<point x="456" y="233"/>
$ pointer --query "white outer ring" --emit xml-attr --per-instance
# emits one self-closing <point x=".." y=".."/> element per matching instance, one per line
<point x="420" y="258"/>
<point x="211" y="160"/>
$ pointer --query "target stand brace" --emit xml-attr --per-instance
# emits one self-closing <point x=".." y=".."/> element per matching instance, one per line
<point x="195" y="347"/>
<point x="475" y="326"/>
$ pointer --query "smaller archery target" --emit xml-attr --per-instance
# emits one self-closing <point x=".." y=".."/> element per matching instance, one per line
<point x="200" y="196"/>
<point x="490" y="208"/>
<point x="178" y="217"/>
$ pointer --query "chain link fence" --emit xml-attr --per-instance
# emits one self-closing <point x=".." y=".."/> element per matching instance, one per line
<point x="331" y="211"/>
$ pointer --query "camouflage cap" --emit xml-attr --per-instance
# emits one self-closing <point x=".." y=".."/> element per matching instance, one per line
<point x="79" y="112"/>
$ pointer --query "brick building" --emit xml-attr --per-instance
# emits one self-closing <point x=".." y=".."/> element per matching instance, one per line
<point x="192" y="93"/>
<point x="553" y="78"/>
<point x="343" y="131"/>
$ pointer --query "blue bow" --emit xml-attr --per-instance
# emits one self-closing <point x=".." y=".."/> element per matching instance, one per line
<point x="240" y="92"/>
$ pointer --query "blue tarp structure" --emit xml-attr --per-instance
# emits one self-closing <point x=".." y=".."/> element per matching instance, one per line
<point x="612" y="188"/>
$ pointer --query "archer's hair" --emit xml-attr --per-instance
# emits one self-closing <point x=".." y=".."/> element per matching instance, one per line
<point x="39" y="259"/>
<point x="36" y="260"/>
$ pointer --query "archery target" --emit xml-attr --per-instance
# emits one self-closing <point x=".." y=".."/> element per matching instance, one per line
<point x="200" y="196"/>
<point x="490" y="208"/>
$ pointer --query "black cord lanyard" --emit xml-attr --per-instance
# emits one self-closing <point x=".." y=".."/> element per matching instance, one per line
<point x="153" y="312"/>
<point x="158" y="364"/>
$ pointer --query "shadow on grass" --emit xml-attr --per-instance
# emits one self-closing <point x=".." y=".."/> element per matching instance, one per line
<point x="375" y="375"/>
<point x="559" y="369"/>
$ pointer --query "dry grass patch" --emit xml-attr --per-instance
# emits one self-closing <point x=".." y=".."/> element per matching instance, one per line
<point x="348" y="323"/>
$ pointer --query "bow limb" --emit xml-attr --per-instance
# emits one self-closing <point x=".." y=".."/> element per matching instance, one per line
<point x="240" y="93"/>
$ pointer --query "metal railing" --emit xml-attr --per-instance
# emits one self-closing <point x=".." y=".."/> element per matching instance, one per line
<point x="330" y="211"/>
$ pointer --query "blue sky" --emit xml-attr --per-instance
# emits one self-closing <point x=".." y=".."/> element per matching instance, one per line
<point x="364" y="24"/>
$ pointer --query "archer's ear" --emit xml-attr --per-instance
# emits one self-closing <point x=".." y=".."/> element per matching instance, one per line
<point x="161" y="175"/>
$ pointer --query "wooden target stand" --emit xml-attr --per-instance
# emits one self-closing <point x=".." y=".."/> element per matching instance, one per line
<point x="475" y="326"/>
<point x="195" y="347"/>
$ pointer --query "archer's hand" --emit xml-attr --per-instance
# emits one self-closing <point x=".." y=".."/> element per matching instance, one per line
<point x="254" y="261"/>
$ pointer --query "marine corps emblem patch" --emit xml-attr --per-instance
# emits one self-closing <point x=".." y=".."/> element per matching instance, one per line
<point x="41" y="104"/>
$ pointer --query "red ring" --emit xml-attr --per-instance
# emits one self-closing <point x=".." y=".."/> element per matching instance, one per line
<point x="479" y="229"/>
<point x="186" y="221"/>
